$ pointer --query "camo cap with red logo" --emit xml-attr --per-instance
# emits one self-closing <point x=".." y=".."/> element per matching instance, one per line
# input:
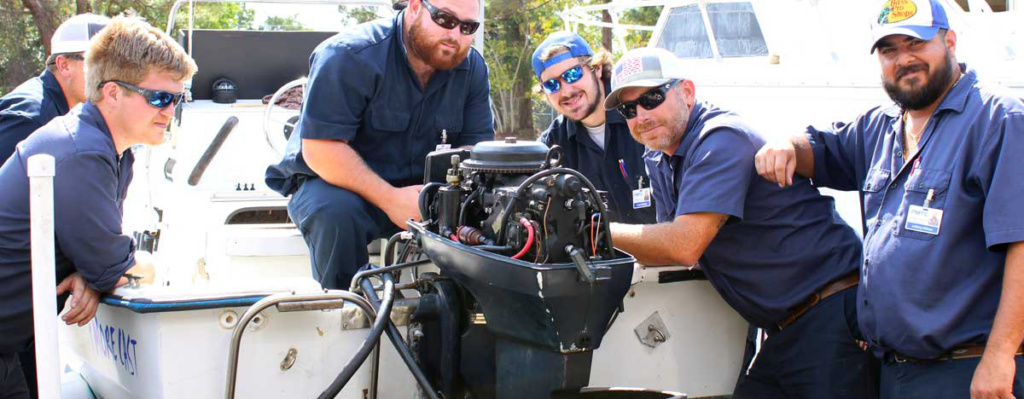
<point x="921" y="19"/>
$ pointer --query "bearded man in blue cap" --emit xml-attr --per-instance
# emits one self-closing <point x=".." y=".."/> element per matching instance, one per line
<point x="942" y="282"/>
<point x="574" y="79"/>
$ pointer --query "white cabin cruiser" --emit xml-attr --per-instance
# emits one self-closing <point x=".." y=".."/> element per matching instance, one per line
<point x="236" y="313"/>
<point x="787" y="64"/>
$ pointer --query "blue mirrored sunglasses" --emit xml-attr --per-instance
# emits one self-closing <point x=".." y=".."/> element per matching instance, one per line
<point x="156" y="98"/>
<point x="573" y="75"/>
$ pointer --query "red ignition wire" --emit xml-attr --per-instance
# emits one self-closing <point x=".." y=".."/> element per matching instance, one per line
<point x="529" y="238"/>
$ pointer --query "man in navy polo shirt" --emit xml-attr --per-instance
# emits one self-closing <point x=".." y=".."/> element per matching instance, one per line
<point x="781" y="257"/>
<point x="59" y="88"/>
<point x="594" y="141"/>
<point x="939" y="175"/>
<point x="381" y="96"/>
<point x="135" y="75"/>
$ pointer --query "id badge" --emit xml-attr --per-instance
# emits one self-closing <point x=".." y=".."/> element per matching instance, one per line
<point x="641" y="198"/>
<point x="442" y="147"/>
<point x="924" y="220"/>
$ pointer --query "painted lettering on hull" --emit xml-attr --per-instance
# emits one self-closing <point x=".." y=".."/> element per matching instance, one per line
<point x="116" y="344"/>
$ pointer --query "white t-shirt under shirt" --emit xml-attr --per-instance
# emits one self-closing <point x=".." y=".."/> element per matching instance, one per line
<point x="597" y="134"/>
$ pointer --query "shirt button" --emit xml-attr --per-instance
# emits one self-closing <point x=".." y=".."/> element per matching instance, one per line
<point x="893" y="185"/>
<point x="899" y="153"/>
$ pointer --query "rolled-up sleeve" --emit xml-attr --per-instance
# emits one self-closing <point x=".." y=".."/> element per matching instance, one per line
<point x="339" y="88"/>
<point x="836" y="160"/>
<point x="88" y="219"/>
<point x="477" y="117"/>
<point x="998" y="171"/>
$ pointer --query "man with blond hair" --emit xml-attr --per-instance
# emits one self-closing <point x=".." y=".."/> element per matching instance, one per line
<point x="59" y="88"/>
<point x="135" y="75"/>
<point x="574" y="79"/>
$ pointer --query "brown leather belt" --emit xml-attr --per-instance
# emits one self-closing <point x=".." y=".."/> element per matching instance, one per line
<point x="848" y="281"/>
<point x="959" y="352"/>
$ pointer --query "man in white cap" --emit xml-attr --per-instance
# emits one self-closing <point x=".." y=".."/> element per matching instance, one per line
<point x="781" y="257"/>
<point x="59" y="88"/>
<point x="942" y="293"/>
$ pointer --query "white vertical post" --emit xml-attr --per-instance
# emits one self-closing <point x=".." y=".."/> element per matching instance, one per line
<point x="44" y="275"/>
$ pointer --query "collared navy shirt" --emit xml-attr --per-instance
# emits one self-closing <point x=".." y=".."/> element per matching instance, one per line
<point x="362" y="89"/>
<point x="602" y="166"/>
<point x="27" y="108"/>
<point x="779" y="246"/>
<point x="90" y="185"/>
<point x="922" y="294"/>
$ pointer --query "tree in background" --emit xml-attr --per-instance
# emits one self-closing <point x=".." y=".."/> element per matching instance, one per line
<point x="357" y="15"/>
<point x="274" y="22"/>
<point x="26" y="27"/>
<point x="512" y="31"/>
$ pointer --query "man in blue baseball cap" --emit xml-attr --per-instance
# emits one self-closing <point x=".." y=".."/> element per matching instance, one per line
<point x="939" y="176"/>
<point x="574" y="79"/>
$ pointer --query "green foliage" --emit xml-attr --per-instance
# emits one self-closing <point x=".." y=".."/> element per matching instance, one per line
<point x="274" y="22"/>
<point x="639" y="16"/>
<point x="215" y="16"/>
<point x="357" y="15"/>
<point x="513" y="30"/>
<point x="21" y="51"/>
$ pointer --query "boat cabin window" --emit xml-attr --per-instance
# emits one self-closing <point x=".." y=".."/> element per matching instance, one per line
<point x="734" y="27"/>
<point x="685" y="34"/>
<point x="736" y="30"/>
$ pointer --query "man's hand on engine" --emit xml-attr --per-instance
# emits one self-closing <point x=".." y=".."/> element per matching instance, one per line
<point x="404" y="205"/>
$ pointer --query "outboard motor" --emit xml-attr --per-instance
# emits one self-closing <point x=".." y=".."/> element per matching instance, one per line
<point x="529" y="280"/>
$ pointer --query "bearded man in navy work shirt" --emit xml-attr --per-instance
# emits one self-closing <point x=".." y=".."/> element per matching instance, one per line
<point x="59" y="88"/>
<point x="939" y="173"/>
<point x="381" y="96"/>
<point x="594" y="141"/>
<point x="135" y="75"/>
<point x="782" y="258"/>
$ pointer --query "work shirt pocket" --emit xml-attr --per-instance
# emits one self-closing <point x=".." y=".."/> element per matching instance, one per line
<point x="873" y="191"/>
<point x="386" y="120"/>
<point x="922" y="184"/>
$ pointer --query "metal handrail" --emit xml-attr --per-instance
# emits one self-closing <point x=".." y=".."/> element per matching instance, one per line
<point x="325" y="300"/>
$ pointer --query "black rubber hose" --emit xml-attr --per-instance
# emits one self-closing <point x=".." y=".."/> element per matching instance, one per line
<point x="400" y="346"/>
<point x="382" y="320"/>
<point x="424" y="193"/>
<point x="548" y="172"/>
<point x="389" y="248"/>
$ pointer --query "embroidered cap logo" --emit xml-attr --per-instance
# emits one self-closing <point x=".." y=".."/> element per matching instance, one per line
<point x="895" y="11"/>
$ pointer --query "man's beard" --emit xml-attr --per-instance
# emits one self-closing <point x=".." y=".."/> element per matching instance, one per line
<point x="921" y="97"/>
<point x="591" y="106"/>
<point x="676" y="127"/>
<point x="431" y="53"/>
